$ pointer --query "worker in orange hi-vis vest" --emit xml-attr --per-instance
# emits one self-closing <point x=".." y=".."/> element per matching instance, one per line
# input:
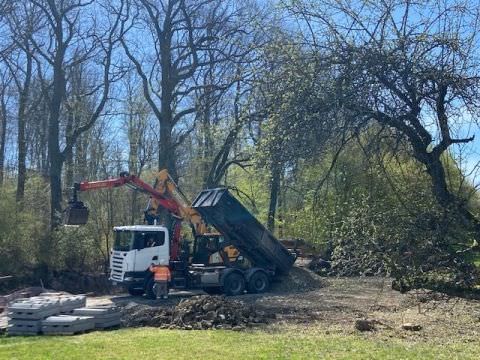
<point x="161" y="276"/>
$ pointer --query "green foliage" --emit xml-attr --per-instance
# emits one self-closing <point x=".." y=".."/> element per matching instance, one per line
<point x="378" y="216"/>
<point x="251" y="188"/>
<point x="371" y="213"/>
<point x="28" y="249"/>
<point x="418" y="249"/>
<point x="77" y="250"/>
<point x="20" y="229"/>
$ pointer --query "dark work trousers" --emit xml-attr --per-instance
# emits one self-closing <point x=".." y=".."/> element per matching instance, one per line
<point x="160" y="289"/>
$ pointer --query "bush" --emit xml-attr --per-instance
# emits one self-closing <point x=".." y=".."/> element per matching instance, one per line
<point x="20" y="230"/>
<point x="426" y="248"/>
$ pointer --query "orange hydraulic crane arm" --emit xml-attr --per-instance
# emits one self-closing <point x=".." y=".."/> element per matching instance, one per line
<point x="134" y="183"/>
<point x="166" y="186"/>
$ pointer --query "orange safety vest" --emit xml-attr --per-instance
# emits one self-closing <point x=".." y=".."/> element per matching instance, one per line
<point x="160" y="273"/>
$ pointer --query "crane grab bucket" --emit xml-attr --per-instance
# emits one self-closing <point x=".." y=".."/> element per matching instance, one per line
<point x="76" y="213"/>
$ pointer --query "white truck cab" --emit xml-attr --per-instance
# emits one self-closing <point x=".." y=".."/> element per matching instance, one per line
<point x="136" y="248"/>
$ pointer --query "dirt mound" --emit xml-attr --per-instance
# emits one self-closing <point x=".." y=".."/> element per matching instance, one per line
<point x="197" y="313"/>
<point x="423" y="296"/>
<point x="298" y="280"/>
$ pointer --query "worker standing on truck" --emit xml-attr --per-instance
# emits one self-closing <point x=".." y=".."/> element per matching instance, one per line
<point x="161" y="276"/>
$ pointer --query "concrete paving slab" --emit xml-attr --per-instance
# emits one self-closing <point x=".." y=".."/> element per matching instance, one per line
<point x="67" y="325"/>
<point x="26" y="324"/>
<point x="96" y="311"/>
<point x="32" y="310"/>
<point x="69" y="303"/>
<point x="103" y="317"/>
<point x="21" y="333"/>
<point x="66" y="320"/>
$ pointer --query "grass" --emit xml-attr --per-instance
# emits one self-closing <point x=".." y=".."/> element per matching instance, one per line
<point x="150" y="343"/>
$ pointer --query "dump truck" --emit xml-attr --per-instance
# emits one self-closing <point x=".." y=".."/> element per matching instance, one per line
<point x="240" y="255"/>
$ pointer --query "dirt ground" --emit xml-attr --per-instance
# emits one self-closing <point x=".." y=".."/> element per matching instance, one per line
<point x="307" y="302"/>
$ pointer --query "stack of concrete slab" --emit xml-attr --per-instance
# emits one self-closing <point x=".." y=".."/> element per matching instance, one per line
<point x="67" y="324"/>
<point x="58" y="313"/>
<point x="25" y="314"/>
<point x="104" y="317"/>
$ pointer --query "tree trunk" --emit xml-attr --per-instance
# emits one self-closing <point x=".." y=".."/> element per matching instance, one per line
<point x="56" y="164"/>
<point x="132" y="163"/>
<point x="439" y="184"/>
<point x="207" y="143"/>
<point x="22" y="151"/>
<point x="81" y="164"/>
<point x="281" y="208"/>
<point x="54" y="153"/>
<point x="21" y="141"/>
<point x="447" y="200"/>
<point x="42" y="153"/>
<point x="69" y="165"/>
<point x="3" y="136"/>
<point x="69" y="170"/>
<point x="274" y="191"/>
<point x="166" y="154"/>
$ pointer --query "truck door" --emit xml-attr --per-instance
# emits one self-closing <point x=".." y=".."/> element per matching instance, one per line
<point x="150" y="247"/>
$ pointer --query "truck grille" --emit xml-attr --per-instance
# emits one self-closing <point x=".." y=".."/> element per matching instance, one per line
<point x="116" y="267"/>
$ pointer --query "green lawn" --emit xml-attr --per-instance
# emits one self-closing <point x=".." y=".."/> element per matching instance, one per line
<point x="149" y="343"/>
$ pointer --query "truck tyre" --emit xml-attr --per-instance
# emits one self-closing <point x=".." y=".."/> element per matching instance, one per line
<point x="234" y="284"/>
<point x="149" y="293"/>
<point x="258" y="283"/>
<point x="135" y="291"/>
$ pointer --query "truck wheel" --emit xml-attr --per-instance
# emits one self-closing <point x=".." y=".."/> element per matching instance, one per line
<point x="135" y="291"/>
<point x="149" y="293"/>
<point x="234" y="284"/>
<point x="258" y="283"/>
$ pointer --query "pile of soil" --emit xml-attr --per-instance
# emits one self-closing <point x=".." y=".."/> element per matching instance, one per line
<point x="197" y="313"/>
<point x="298" y="280"/>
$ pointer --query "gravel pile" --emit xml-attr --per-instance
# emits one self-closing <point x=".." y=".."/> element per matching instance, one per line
<point x="197" y="313"/>
<point x="298" y="280"/>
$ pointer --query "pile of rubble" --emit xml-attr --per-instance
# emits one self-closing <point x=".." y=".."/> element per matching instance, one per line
<point x="52" y="313"/>
<point x="197" y="313"/>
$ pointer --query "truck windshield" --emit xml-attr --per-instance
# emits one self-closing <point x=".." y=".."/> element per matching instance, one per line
<point x="146" y="239"/>
<point x="123" y="241"/>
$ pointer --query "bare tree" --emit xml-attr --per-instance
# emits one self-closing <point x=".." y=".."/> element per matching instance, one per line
<point x="71" y="34"/>
<point x="4" y="87"/>
<point x="224" y="94"/>
<point x="37" y="129"/>
<point x="219" y="160"/>
<point x="5" y="48"/>
<point x="416" y="66"/>
<point x="22" y="23"/>
<point x="180" y="32"/>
